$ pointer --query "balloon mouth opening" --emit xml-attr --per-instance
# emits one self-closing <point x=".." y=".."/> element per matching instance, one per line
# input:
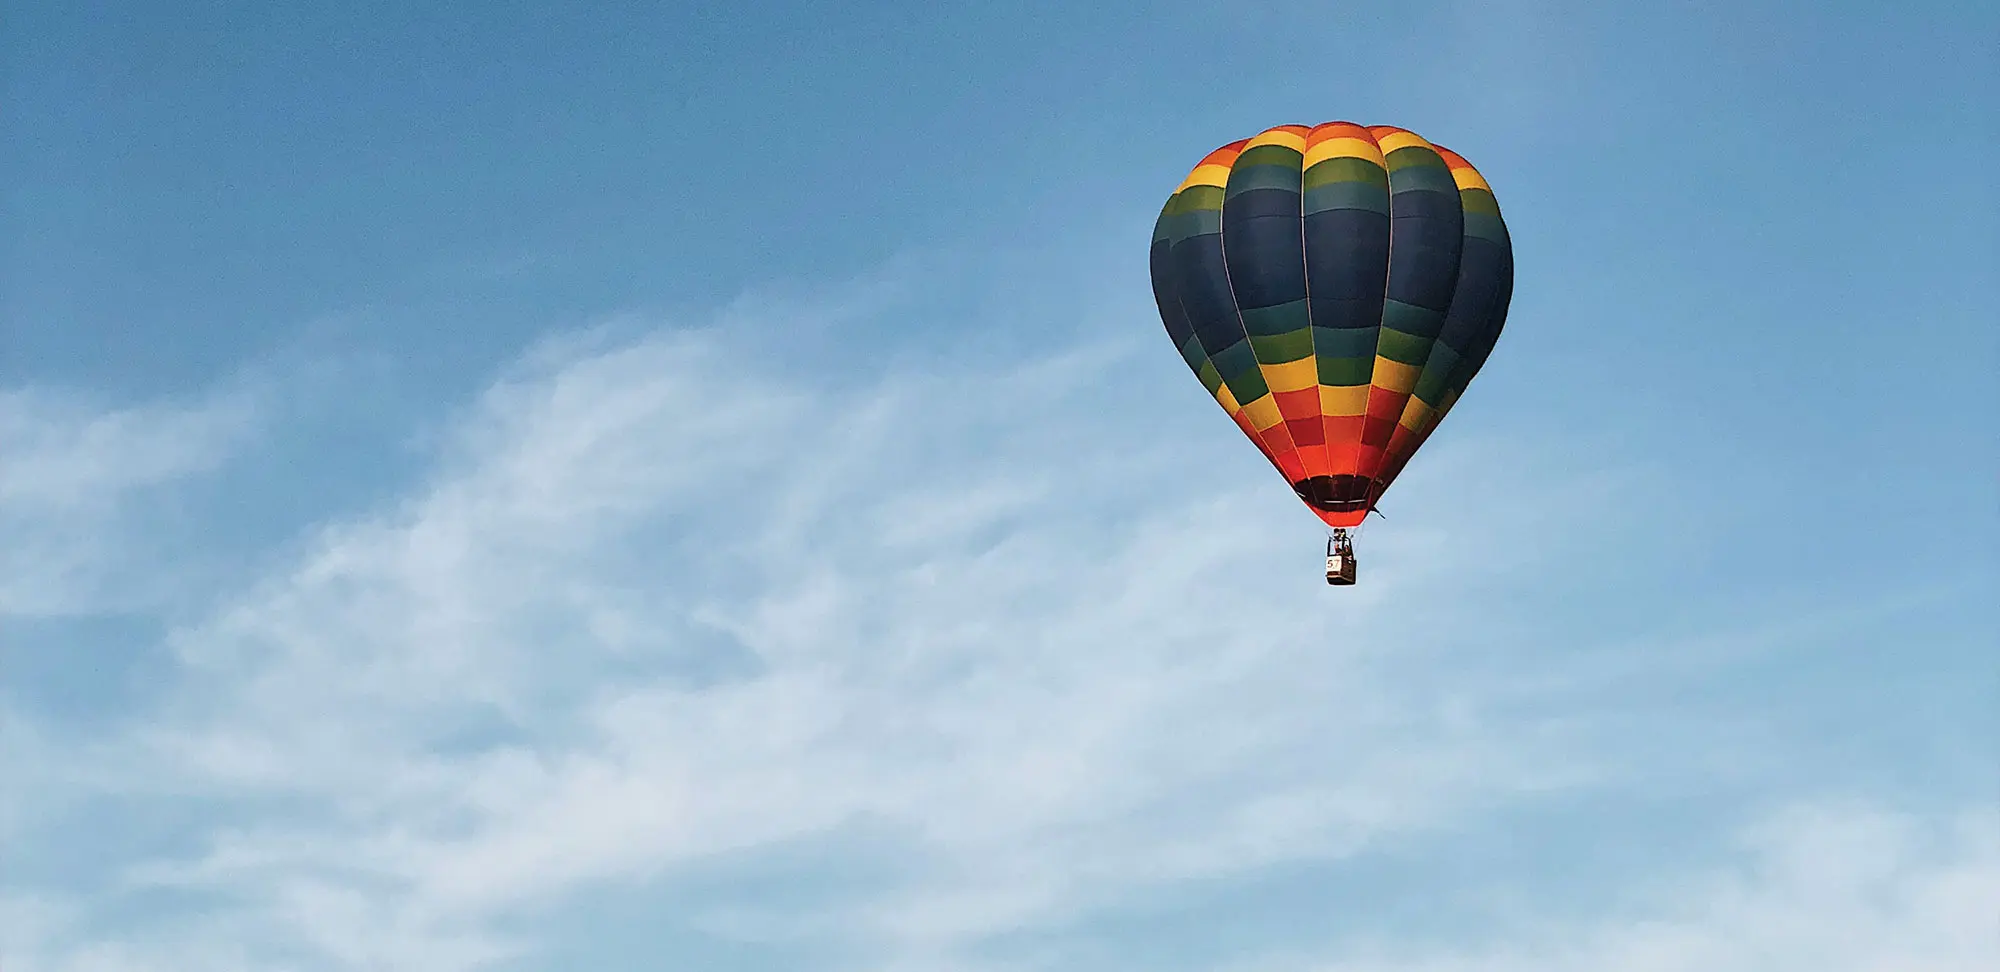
<point x="1335" y="494"/>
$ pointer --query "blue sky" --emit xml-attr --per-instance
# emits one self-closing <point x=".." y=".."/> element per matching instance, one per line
<point x="510" y="487"/>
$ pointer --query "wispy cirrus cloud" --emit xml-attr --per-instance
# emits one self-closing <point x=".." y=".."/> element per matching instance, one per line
<point x="896" y="663"/>
<point x="73" y="475"/>
<point x="1838" y="885"/>
<point x="662" y="602"/>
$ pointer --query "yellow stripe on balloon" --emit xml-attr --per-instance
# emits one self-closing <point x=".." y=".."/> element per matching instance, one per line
<point x="1292" y="376"/>
<point x="1343" y="400"/>
<point x="1391" y="141"/>
<point x="1292" y="137"/>
<point x="1343" y="148"/>
<point x="1415" y="414"/>
<point x="1468" y="177"/>
<point x="1263" y="413"/>
<point x="1395" y="376"/>
<point x="1207" y="175"/>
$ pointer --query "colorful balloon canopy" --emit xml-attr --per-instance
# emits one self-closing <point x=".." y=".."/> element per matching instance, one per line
<point x="1335" y="287"/>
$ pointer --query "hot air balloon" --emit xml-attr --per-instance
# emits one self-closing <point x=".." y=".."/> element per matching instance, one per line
<point x="1335" y="287"/>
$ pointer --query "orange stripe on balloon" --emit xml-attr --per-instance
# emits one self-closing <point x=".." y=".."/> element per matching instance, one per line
<point x="1317" y="463"/>
<point x="1224" y="155"/>
<point x="1338" y="129"/>
<point x="1290" y="464"/>
<point x="1462" y="172"/>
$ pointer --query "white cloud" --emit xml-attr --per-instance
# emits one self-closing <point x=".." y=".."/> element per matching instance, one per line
<point x="1836" y="887"/>
<point x="666" y="600"/>
<point x="63" y="454"/>
<point x="70" y="472"/>
<point x="1040" y="631"/>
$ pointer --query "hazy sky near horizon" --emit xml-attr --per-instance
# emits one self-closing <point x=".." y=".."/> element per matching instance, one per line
<point x="505" y="486"/>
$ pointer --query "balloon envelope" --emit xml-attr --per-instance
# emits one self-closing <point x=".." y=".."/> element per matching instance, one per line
<point x="1335" y="287"/>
